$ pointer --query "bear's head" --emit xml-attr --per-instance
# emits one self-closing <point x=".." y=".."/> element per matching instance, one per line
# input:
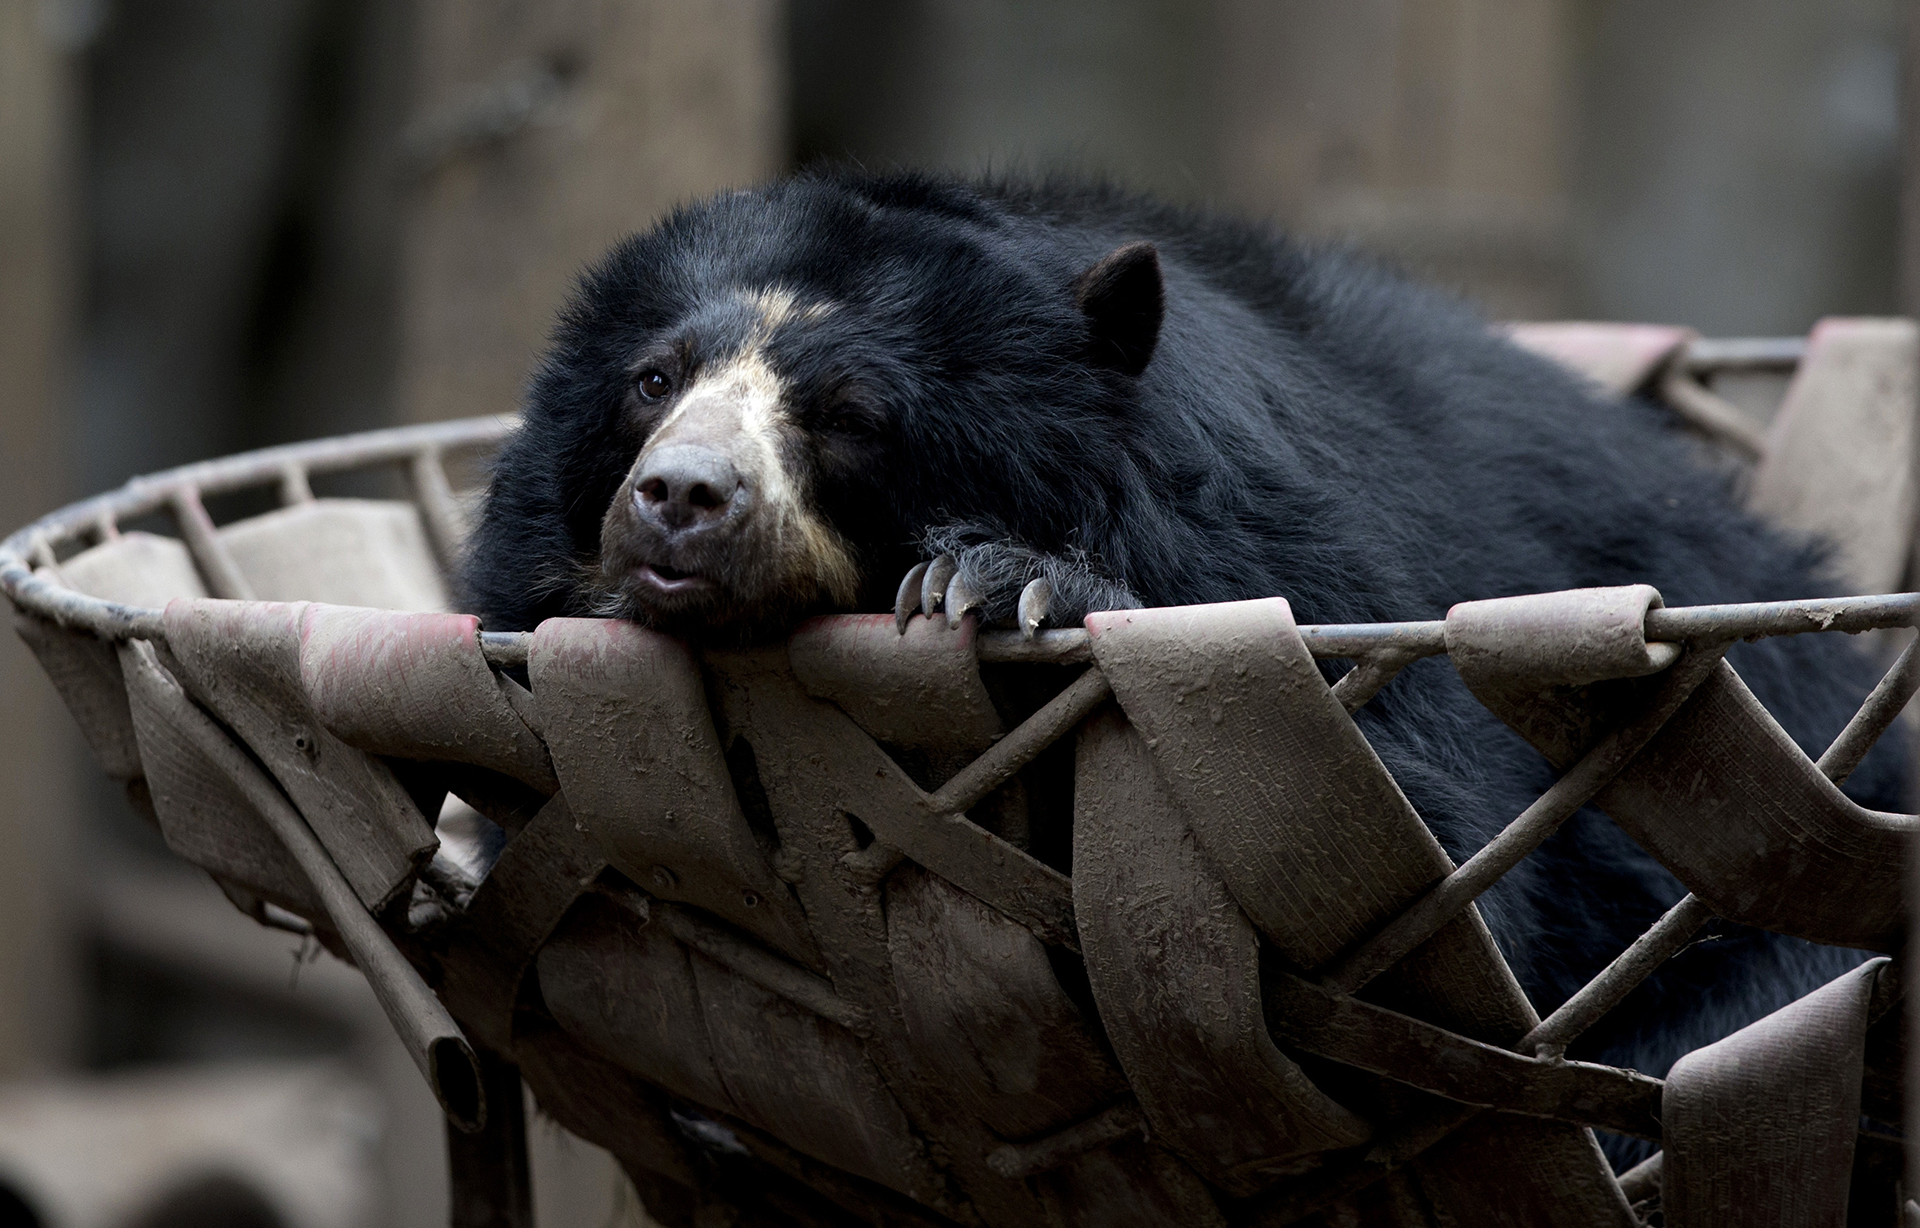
<point x="758" y="410"/>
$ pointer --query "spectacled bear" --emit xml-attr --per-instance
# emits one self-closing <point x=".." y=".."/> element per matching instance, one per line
<point x="781" y="401"/>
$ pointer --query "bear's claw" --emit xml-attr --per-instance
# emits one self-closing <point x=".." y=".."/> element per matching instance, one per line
<point x="960" y="600"/>
<point x="938" y="586"/>
<point x="1035" y="598"/>
<point x="933" y="585"/>
<point x="907" y="601"/>
<point x="1004" y="583"/>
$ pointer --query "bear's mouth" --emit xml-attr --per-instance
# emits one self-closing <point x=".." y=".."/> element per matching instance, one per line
<point x="671" y="581"/>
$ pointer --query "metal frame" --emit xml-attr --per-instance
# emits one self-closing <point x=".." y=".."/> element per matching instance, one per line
<point x="1319" y="1016"/>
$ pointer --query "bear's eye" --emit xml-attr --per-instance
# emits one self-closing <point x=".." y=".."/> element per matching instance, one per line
<point x="653" y="385"/>
<point x="849" y="418"/>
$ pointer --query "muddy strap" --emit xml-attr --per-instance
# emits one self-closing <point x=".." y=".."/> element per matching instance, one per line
<point x="1620" y="358"/>
<point x="625" y="713"/>
<point x="416" y="686"/>
<point x="1258" y="780"/>
<point x="1839" y="459"/>
<point x="1760" y="1127"/>
<point x="1722" y="796"/>
<point x="241" y="661"/>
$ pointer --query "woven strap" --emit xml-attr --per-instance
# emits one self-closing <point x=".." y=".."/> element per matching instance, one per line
<point x="1760" y="1127"/>
<point x="1722" y="795"/>
<point x="1317" y="846"/>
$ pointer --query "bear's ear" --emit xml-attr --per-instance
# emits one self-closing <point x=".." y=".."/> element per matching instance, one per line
<point x="1123" y="301"/>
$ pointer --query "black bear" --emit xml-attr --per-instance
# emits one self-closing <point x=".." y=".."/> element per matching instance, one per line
<point x="783" y="401"/>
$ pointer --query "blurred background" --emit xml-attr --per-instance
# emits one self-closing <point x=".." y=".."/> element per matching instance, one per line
<point x="229" y="223"/>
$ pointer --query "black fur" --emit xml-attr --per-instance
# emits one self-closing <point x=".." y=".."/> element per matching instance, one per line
<point x="1300" y="423"/>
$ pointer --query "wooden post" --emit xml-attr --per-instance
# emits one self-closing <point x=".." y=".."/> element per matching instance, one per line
<point x="542" y="134"/>
<point x="1910" y="160"/>
<point x="1909" y="291"/>
<point x="1434" y="133"/>
<point x="37" y="744"/>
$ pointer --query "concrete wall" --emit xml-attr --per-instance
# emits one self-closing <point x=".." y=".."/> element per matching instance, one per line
<point x="1723" y="163"/>
<point x="1737" y="165"/>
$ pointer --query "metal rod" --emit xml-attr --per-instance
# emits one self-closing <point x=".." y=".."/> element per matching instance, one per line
<point x="1717" y="355"/>
<point x="1757" y="620"/>
<point x="506" y="649"/>
<point x="438" y="506"/>
<point x="1882" y="707"/>
<point x="1423" y="639"/>
<point x="149" y="493"/>
<point x="1017" y="1161"/>
<point x="1452" y="894"/>
<point x="761" y="966"/>
<point x="1066" y="646"/>
<point x="1667" y="937"/>
<point x="222" y="574"/>
<point x="1321" y="1021"/>
<point x="294" y="487"/>
<point x="1642" y="1181"/>
<point x="41" y="597"/>
<point x="275" y="917"/>
<point x="155" y="492"/>
<point x="1364" y="680"/>
<point x="872" y="863"/>
<point x="328" y="455"/>
<point x="432" y="1038"/>
<point x="1685" y="624"/>
<point x="1715" y="416"/>
<point x="1423" y="1130"/>
<point x="1018" y="748"/>
<point x="489" y="1182"/>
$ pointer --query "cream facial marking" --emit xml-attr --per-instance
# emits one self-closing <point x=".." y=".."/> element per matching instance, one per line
<point x="737" y="407"/>
<point x="777" y="306"/>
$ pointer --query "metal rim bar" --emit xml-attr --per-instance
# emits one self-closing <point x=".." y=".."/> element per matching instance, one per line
<point x="177" y="493"/>
<point x="1422" y="639"/>
<point x="1758" y="620"/>
<point x="286" y="469"/>
<point x="1710" y="356"/>
<point x="151" y="492"/>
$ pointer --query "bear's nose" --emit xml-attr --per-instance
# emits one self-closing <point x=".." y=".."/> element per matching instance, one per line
<point x="686" y="486"/>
